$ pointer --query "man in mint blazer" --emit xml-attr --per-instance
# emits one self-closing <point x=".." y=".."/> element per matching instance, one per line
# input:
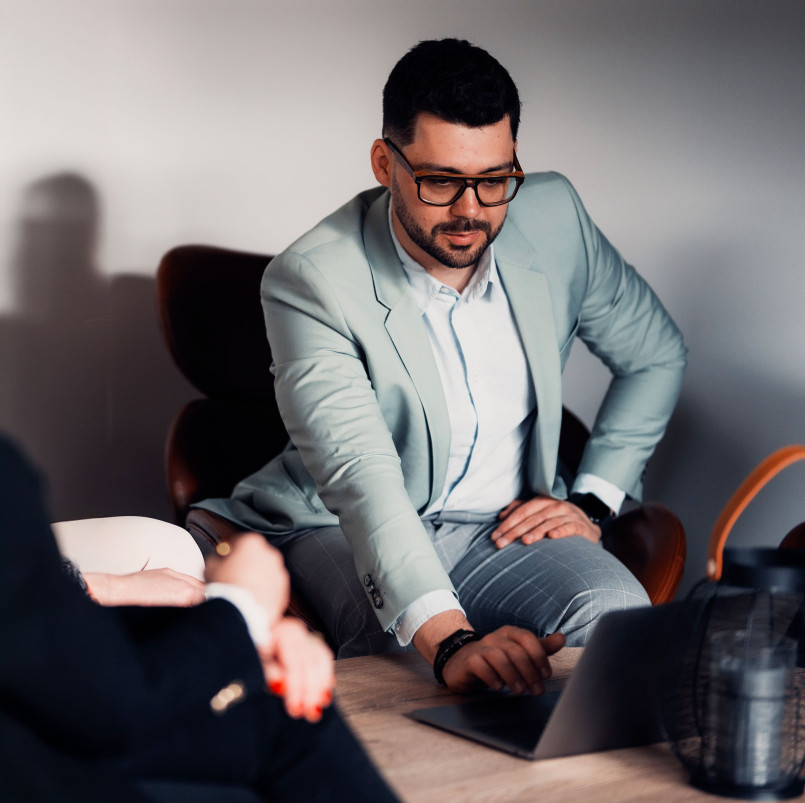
<point x="418" y="372"/>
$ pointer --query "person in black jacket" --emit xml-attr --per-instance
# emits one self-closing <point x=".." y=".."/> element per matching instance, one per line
<point x="97" y="701"/>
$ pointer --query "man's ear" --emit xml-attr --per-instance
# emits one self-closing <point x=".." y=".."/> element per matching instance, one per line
<point x="381" y="159"/>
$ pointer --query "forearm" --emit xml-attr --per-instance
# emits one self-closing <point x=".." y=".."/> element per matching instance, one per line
<point x="100" y="587"/>
<point x="630" y="423"/>
<point x="150" y="587"/>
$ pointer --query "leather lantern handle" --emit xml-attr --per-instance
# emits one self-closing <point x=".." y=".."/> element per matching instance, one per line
<point x="746" y="492"/>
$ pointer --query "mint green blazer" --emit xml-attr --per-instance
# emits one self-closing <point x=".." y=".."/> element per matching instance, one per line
<point x="359" y="391"/>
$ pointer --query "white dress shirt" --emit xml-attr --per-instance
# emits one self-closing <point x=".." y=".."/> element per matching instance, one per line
<point x="487" y="387"/>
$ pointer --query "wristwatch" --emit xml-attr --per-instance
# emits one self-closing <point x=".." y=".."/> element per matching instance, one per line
<point x="597" y="512"/>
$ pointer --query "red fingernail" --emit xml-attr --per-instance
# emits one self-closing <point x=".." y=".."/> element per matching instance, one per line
<point x="277" y="687"/>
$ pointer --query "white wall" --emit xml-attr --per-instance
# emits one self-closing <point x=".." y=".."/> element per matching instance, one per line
<point x="129" y="126"/>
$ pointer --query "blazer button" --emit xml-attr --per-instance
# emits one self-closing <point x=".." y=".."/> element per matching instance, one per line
<point x="378" y="599"/>
<point x="367" y="580"/>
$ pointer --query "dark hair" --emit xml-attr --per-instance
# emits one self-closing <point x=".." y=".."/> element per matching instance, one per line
<point x="452" y="79"/>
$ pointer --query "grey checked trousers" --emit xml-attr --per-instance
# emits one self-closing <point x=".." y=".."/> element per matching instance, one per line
<point x="562" y="584"/>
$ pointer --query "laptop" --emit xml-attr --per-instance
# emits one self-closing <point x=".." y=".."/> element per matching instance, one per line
<point x="609" y="701"/>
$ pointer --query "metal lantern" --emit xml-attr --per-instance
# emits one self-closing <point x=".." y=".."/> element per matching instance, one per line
<point x="733" y="697"/>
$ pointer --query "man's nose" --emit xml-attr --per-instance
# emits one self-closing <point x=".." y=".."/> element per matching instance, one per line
<point x="467" y="205"/>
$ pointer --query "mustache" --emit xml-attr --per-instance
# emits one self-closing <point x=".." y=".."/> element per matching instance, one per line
<point x="462" y="227"/>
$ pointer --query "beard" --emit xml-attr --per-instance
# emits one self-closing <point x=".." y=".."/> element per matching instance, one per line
<point x="453" y="256"/>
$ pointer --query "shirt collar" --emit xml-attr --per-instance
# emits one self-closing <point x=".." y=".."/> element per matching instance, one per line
<point x="426" y="287"/>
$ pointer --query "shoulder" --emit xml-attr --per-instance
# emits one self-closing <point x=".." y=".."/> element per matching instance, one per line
<point x="332" y="259"/>
<point x="548" y="214"/>
<point x="341" y="232"/>
<point x="545" y="193"/>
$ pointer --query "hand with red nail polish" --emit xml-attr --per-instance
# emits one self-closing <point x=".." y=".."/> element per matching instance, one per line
<point x="277" y="687"/>
<point x="298" y="667"/>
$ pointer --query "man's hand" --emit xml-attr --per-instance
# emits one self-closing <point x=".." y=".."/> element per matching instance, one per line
<point x="298" y="667"/>
<point x="149" y="587"/>
<point x="255" y="566"/>
<point x="542" y="517"/>
<point x="509" y="656"/>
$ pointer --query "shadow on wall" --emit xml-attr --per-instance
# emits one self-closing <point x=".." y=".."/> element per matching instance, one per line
<point x="88" y="387"/>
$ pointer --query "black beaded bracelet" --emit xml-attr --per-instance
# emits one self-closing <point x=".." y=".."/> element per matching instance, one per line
<point x="449" y="647"/>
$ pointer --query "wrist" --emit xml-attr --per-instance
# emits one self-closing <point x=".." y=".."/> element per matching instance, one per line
<point x="99" y="587"/>
<point x="448" y="648"/>
<point x="437" y="628"/>
<point x="598" y="512"/>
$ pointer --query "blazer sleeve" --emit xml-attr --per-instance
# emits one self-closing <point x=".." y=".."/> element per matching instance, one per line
<point x="97" y="680"/>
<point x="625" y="325"/>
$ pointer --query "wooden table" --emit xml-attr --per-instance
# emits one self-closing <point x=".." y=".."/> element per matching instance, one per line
<point x="424" y="764"/>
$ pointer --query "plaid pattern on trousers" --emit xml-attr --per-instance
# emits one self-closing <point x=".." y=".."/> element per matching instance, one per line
<point x="562" y="584"/>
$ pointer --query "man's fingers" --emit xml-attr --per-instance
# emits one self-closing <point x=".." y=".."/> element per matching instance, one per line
<point x="542" y="517"/>
<point x="520" y="511"/>
<point x="512" y="506"/>
<point x="525" y="518"/>
<point x="532" y="529"/>
<point x="478" y="668"/>
<point x="559" y="527"/>
<point x="537" y="649"/>
<point x="553" y="643"/>
<point x="509" y="656"/>
<point x="528" y="673"/>
<point x="511" y="665"/>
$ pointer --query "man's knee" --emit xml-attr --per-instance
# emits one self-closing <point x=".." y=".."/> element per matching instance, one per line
<point x="613" y="592"/>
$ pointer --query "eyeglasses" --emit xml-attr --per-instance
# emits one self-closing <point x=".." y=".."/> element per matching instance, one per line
<point x="444" y="189"/>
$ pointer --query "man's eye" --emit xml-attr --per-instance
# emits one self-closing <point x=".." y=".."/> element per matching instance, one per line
<point x="495" y="181"/>
<point x="442" y="183"/>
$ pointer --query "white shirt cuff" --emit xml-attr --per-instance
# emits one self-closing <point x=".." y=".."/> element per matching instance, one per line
<point x="608" y="493"/>
<point x="250" y="609"/>
<point x="420" y="610"/>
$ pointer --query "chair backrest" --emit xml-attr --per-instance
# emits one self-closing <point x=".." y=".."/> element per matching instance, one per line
<point x="212" y="321"/>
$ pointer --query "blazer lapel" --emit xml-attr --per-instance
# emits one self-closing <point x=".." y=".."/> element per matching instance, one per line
<point x="407" y="332"/>
<point x="530" y="299"/>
